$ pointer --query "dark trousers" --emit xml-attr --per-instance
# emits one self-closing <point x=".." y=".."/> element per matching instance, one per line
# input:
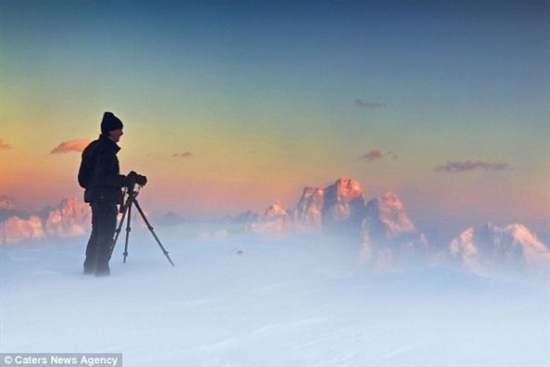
<point x="98" y="250"/>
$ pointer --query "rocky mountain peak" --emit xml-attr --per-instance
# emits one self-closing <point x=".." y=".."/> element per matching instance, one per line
<point x="344" y="189"/>
<point x="509" y="248"/>
<point x="343" y="205"/>
<point x="275" y="210"/>
<point x="309" y="210"/>
<point x="386" y="217"/>
<point x="388" y="235"/>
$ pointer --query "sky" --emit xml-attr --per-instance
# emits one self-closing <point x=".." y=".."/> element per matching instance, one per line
<point x="229" y="106"/>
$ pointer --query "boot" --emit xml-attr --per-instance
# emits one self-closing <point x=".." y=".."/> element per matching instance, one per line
<point x="102" y="270"/>
<point x="89" y="267"/>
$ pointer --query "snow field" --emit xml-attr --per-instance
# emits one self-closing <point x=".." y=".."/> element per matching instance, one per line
<point x="248" y="301"/>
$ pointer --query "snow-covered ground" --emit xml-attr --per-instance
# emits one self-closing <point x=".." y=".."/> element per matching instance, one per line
<point x="248" y="301"/>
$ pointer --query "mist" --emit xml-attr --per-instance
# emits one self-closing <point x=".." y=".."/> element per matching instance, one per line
<point x="252" y="299"/>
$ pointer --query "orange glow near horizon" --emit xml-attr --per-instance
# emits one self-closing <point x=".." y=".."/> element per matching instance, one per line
<point x="230" y="116"/>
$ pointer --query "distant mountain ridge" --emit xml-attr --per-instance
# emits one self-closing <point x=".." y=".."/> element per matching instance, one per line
<point x="70" y="218"/>
<point x="387" y="238"/>
<point x="380" y="230"/>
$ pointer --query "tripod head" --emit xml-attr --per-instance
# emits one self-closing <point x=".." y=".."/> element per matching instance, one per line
<point x="134" y="185"/>
<point x="134" y="179"/>
<point x="129" y="195"/>
<point x="133" y="190"/>
<point x="134" y="182"/>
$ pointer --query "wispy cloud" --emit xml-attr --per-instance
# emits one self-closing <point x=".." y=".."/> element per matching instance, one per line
<point x="372" y="155"/>
<point x="391" y="154"/>
<point x="71" y="146"/>
<point x="186" y="154"/>
<point x="471" y="165"/>
<point x="368" y="104"/>
<point x="4" y="145"/>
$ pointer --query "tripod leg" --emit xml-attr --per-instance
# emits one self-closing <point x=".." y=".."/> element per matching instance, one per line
<point x="124" y="211"/>
<point x="153" y="232"/>
<point x="128" y="230"/>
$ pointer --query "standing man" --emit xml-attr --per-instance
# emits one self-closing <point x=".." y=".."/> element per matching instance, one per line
<point x="99" y="174"/>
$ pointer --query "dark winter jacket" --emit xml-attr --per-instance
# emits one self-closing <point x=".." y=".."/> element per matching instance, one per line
<point x="99" y="172"/>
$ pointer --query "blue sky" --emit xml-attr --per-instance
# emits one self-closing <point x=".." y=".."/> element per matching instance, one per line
<point x="230" y="105"/>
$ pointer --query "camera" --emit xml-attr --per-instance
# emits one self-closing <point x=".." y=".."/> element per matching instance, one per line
<point x="135" y="179"/>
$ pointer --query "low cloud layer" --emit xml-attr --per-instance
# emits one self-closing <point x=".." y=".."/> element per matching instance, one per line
<point x="471" y="165"/>
<point x="70" y="146"/>
<point x="4" y="145"/>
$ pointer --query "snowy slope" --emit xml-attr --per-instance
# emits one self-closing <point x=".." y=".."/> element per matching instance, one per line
<point x="250" y="302"/>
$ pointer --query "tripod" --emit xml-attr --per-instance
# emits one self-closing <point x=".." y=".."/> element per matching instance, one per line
<point x="126" y="211"/>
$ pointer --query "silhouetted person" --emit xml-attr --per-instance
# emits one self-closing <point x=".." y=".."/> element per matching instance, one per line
<point x="99" y="174"/>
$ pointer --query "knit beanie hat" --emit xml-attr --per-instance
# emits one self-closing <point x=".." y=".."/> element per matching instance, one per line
<point x="110" y="122"/>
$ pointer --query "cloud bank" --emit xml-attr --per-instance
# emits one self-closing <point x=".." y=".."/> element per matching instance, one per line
<point x="375" y="154"/>
<point x="471" y="165"/>
<point x="186" y="154"/>
<point x="70" y="146"/>
<point x="372" y="155"/>
<point x="367" y="104"/>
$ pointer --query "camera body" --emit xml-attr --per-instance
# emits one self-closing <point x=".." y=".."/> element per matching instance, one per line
<point x="135" y="179"/>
